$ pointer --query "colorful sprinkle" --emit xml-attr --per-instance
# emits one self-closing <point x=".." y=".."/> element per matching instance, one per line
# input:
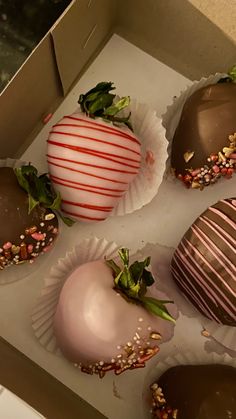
<point x="7" y="245"/>
<point x="37" y="236"/>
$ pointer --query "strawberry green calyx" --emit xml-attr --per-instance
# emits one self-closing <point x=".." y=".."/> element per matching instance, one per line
<point x="231" y="76"/>
<point x="40" y="190"/>
<point x="132" y="282"/>
<point x="100" y="103"/>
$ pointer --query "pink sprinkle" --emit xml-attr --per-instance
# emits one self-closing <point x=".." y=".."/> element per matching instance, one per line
<point x="149" y="159"/>
<point x="7" y="246"/>
<point x="47" y="248"/>
<point x="55" y="230"/>
<point x="30" y="248"/>
<point x="37" y="236"/>
<point x="216" y="169"/>
<point x="195" y="172"/>
<point x="47" y="118"/>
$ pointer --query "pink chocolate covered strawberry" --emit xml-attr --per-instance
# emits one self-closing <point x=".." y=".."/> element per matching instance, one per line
<point x="93" y="155"/>
<point x="105" y="322"/>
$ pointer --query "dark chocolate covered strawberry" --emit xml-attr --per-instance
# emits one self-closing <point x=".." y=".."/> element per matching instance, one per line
<point x="195" y="392"/>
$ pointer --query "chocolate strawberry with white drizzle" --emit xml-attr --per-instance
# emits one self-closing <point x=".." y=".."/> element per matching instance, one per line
<point x="104" y="320"/>
<point x="93" y="155"/>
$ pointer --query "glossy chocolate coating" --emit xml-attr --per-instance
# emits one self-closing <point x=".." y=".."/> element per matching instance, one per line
<point x="207" y="120"/>
<point x="200" y="391"/>
<point x="204" y="263"/>
<point x="16" y="222"/>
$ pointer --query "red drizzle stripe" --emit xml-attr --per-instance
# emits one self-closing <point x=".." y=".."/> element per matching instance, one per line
<point x="84" y="184"/>
<point x="107" y="128"/>
<point x="83" y="216"/>
<point x="94" y="165"/>
<point x="87" y="206"/>
<point x="85" y="189"/>
<point x="85" y="173"/>
<point x="85" y="137"/>
<point x="96" y="129"/>
<point x="100" y="154"/>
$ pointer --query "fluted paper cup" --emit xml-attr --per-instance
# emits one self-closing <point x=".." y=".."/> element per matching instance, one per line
<point x="86" y="251"/>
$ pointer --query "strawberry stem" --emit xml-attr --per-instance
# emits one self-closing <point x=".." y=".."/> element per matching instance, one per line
<point x="133" y="280"/>
<point x="100" y="103"/>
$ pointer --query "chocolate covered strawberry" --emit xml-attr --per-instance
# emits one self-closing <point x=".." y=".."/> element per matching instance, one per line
<point x="28" y="207"/>
<point x="93" y="155"/>
<point x="104" y="320"/>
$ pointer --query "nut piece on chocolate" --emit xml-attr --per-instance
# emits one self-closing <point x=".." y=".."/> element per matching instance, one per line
<point x="23" y="236"/>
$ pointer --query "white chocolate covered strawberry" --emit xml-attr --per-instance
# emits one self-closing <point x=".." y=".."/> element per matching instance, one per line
<point x="105" y="322"/>
<point x="93" y="155"/>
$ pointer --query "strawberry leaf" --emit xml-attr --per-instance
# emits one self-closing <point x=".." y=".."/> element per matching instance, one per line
<point x="40" y="190"/>
<point x="99" y="103"/>
<point x="232" y="74"/>
<point x="132" y="282"/>
<point x="158" y="308"/>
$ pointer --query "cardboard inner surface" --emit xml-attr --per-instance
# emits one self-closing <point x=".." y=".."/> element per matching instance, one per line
<point x="180" y="35"/>
<point x="80" y="33"/>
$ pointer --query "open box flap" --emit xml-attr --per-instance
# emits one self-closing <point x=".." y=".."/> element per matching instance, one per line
<point x="28" y="97"/>
<point x="78" y="35"/>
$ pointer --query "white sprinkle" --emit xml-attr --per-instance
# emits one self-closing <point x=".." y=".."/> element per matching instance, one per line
<point x="113" y="360"/>
<point x="138" y="342"/>
<point x="140" y="319"/>
<point x="149" y="328"/>
<point x="118" y="347"/>
<point x="135" y="338"/>
<point x="42" y="224"/>
<point x="129" y="344"/>
<point x="75" y="365"/>
<point x="101" y="363"/>
<point x="139" y="328"/>
<point x="1" y="250"/>
<point x="51" y="239"/>
<point x="22" y="236"/>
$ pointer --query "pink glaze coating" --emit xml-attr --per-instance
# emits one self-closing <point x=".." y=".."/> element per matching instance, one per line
<point x="93" y="322"/>
<point x="91" y="163"/>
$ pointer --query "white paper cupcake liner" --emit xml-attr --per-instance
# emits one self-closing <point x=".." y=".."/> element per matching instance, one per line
<point x="15" y="273"/>
<point x="174" y="358"/>
<point x="88" y="250"/>
<point x="161" y="261"/>
<point x="148" y="128"/>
